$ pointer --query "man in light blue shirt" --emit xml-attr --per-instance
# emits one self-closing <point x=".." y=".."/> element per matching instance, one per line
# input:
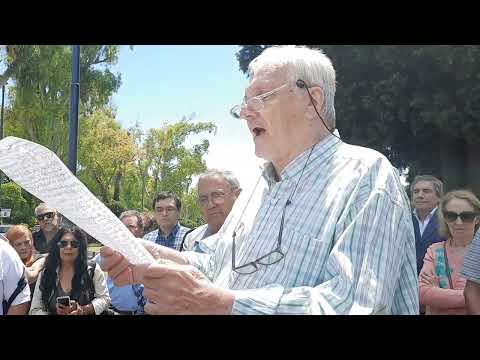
<point x="326" y="229"/>
<point x="127" y="300"/>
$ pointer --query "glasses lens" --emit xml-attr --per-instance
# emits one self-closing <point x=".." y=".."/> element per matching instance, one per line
<point x="255" y="104"/>
<point x="468" y="216"/>
<point x="64" y="243"/>
<point x="271" y="258"/>
<point x="246" y="269"/>
<point x="218" y="197"/>
<point x="45" y="216"/>
<point x="235" y="111"/>
<point x="450" y="216"/>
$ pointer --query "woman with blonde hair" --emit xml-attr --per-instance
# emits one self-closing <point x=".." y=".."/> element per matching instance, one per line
<point x="441" y="285"/>
<point x="21" y="239"/>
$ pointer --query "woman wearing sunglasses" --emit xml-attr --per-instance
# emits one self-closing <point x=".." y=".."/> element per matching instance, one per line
<point x="441" y="286"/>
<point x="67" y="285"/>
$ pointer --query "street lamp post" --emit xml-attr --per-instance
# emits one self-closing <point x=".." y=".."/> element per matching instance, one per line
<point x="74" y="101"/>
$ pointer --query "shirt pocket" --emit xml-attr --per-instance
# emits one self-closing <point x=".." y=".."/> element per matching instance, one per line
<point x="304" y="259"/>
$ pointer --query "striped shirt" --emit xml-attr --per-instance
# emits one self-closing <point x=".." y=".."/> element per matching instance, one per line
<point x="471" y="264"/>
<point x="173" y="240"/>
<point x="348" y="238"/>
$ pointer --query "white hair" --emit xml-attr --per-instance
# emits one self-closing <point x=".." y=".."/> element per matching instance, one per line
<point x="227" y="175"/>
<point x="309" y="65"/>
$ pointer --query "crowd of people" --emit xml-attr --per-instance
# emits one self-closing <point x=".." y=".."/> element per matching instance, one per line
<point x="327" y="229"/>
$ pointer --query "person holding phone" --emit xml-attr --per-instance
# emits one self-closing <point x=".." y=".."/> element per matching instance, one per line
<point x="441" y="283"/>
<point x="69" y="285"/>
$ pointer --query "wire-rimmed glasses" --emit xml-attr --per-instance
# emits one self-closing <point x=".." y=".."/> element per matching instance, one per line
<point x="255" y="103"/>
<point x="274" y="256"/>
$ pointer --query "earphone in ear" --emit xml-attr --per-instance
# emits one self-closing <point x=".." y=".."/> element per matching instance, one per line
<point x="302" y="85"/>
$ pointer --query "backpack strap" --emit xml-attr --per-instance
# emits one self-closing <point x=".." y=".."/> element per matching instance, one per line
<point x="20" y="286"/>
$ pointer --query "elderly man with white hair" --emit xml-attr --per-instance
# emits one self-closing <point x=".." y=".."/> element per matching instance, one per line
<point x="325" y="230"/>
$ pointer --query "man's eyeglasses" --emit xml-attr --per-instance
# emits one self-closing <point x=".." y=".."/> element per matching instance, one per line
<point x="218" y="198"/>
<point x="64" y="243"/>
<point x="276" y="254"/>
<point x="466" y="217"/>
<point x="255" y="103"/>
<point x="49" y="215"/>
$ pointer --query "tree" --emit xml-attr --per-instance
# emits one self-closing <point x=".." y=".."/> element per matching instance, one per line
<point x="106" y="154"/>
<point x="418" y="105"/>
<point x="21" y="205"/>
<point x="170" y="164"/>
<point x="40" y="94"/>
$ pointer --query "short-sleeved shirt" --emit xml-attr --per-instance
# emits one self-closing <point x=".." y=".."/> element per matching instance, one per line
<point x="471" y="264"/>
<point x="11" y="270"/>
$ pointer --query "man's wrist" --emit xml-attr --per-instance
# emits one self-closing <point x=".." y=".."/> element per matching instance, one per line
<point x="226" y="299"/>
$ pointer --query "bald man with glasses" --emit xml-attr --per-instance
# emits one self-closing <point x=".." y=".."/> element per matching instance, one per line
<point x="217" y="192"/>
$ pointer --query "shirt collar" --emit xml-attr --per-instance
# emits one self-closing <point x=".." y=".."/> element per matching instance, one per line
<point x="322" y="151"/>
<point x="173" y="233"/>
<point x="429" y="216"/>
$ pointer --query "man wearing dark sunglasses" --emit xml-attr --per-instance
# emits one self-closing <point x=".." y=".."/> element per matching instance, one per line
<point x="326" y="229"/>
<point x="49" y="221"/>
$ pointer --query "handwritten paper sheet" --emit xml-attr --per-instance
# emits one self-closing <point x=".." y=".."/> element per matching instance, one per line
<point x="40" y="172"/>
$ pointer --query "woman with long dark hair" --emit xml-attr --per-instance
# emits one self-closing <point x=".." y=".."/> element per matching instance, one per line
<point x="68" y="274"/>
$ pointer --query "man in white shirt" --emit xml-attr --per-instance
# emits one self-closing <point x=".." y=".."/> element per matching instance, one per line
<point x="325" y="230"/>
<point x="11" y="271"/>
<point x="217" y="192"/>
<point x="426" y="192"/>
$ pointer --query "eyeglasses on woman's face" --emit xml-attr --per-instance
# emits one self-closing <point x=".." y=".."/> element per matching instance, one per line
<point x="465" y="217"/>
<point x="65" y="243"/>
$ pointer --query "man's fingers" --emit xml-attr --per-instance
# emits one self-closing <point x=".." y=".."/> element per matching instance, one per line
<point x="118" y="267"/>
<point x="110" y="258"/>
<point x="123" y="278"/>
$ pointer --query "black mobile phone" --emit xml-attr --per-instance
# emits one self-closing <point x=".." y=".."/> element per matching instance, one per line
<point x="63" y="300"/>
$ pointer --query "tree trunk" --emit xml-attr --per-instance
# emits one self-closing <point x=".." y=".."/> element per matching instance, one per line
<point x="117" y="183"/>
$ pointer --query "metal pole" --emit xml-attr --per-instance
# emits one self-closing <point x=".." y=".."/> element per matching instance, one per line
<point x="1" y="115"/>
<point x="74" y="101"/>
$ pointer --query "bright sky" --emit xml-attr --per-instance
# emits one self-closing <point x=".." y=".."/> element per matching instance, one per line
<point x="161" y="84"/>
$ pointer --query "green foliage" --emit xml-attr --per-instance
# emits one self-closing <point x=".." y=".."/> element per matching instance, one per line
<point x="191" y="213"/>
<point x="40" y="94"/>
<point x="412" y="103"/>
<point x="20" y="202"/>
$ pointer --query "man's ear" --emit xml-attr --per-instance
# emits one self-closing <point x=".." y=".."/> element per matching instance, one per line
<point x="318" y="97"/>
<point x="237" y="192"/>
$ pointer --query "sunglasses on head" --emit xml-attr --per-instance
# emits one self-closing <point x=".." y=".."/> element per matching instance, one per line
<point x="466" y="217"/>
<point x="48" y="215"/>
<point x="64" y="243"/>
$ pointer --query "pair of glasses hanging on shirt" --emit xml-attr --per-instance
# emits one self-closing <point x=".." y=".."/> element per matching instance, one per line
<point x="274" y="256"/>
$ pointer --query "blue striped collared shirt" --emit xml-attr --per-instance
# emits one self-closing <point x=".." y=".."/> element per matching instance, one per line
<point x="348" y="239"/>
<point x="471" y="264"/>
<point x="173" y="240"/>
